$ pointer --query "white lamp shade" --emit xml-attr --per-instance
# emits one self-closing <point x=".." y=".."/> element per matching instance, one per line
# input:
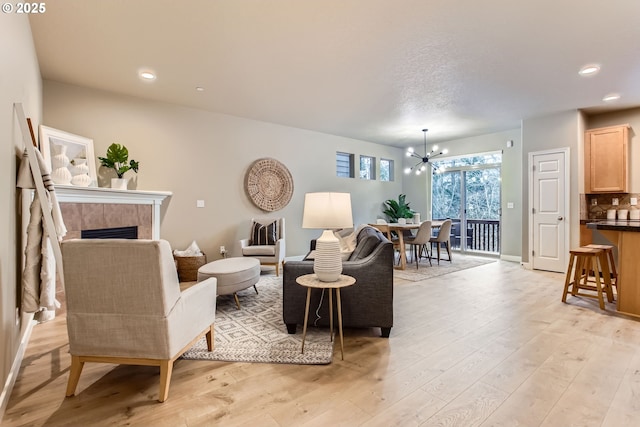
<point x="327" y="211"/>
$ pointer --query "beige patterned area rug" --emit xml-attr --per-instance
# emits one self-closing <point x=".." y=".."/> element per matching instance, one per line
<point x="256" y="332"/>
<point x="426" y="271"/>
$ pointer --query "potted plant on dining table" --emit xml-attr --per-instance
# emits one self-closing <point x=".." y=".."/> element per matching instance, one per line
<point x="398" y="209"/>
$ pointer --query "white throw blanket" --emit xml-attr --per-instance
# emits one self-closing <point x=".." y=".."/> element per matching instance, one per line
<point x="348" y="241"/>
<point x="39" y="275"/>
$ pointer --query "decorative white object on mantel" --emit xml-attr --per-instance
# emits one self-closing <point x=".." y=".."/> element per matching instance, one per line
<point x="80" y="172"/>
<point x="71" y="194"/>
<point x="119" y="183"/>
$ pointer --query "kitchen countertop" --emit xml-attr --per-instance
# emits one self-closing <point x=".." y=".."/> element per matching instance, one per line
<point x="615" y="225"/>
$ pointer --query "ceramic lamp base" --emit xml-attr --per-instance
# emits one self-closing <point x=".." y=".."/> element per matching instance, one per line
<point x="328" y="261"/>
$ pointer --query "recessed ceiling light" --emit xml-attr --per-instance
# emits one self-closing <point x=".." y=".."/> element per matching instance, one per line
<point x="147" y="75"/>
<point x="200" y="89"/>
<point x="589" y="70"/>
<point x="611" y="97"/>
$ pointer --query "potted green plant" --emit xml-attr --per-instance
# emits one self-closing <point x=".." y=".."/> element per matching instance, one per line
<point x="398" y="209"/>
<point x="118" y="160"/>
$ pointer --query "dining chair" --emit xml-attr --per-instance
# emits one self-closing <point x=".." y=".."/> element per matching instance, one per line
<point x="420" y="242"/>
<point x="443" y="238"/>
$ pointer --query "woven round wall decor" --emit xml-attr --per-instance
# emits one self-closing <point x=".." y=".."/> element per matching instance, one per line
<point x="269" y="184"/>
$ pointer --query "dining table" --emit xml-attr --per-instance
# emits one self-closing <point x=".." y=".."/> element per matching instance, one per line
<point x="399" y="229"/>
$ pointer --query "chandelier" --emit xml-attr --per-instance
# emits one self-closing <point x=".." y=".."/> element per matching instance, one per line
<point x="421" y="166"/>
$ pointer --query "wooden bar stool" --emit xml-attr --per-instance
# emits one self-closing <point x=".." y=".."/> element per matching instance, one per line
<point x="583" y="261"/>
<point x="608" y="251"/>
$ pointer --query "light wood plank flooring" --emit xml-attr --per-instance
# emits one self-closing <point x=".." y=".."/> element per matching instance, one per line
<point x="488" y="346"/>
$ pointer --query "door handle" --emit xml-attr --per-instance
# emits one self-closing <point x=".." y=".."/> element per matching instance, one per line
<point x="560" y="218"/>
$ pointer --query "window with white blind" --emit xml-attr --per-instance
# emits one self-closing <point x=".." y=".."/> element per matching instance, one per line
<point x="344" y="165"/>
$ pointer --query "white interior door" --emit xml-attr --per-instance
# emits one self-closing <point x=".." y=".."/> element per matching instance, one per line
<point x="550" y="208"/>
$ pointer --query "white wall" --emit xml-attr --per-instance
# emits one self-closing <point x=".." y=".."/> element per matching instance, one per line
<point x="19" y="82"/>
<point x="418" y="187"/>
<point x="202" y="155"/>
<point x="564" y="129"/>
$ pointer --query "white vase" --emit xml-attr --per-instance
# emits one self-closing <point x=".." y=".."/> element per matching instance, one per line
<point x="119" y="183"/>
<point x="60" y="173"/>
<point x="328" y="262"/>
<point x="81" y="180"/>
<point x="80" y="172"/>
<point x="61" y="176"/>
<point x="59" y="158"/>
<point x="79" y="166"/>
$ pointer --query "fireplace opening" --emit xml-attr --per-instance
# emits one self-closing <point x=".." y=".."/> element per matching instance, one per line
<point x="111" y="233"/>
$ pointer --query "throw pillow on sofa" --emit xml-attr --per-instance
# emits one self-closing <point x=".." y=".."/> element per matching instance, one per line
<point x="347" y="244"/>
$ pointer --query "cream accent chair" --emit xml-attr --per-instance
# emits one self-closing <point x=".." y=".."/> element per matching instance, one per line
<point x="124" y="306"/>
<point x="267" y="254"/>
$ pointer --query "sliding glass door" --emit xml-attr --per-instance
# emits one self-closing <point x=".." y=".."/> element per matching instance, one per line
<point x="467" y="190"/>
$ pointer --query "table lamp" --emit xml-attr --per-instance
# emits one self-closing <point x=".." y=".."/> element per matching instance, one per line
<point x="328" y="211"/>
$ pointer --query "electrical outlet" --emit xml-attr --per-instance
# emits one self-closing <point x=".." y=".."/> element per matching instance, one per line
<point x="614" y="202"/>
<point x="222" y="250"/>
<point x="634" y="201"/>
<point x="199" y="203"/>
<point x="594" y="202"/>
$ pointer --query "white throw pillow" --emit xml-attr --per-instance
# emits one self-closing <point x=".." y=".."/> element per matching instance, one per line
<point x="347" y="244"/>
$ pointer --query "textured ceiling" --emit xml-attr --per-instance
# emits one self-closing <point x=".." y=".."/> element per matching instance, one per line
<point x="376" y="70"/>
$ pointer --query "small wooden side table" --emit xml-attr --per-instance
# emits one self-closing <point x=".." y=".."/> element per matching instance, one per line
<point x="310" y="281"/>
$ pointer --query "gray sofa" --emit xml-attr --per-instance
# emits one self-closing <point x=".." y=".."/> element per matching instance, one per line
<point x="368" y="303"/>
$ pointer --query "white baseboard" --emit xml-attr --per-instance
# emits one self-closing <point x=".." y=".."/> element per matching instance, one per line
<point x="28" y="324"/>
<point x="512" y="258"/>
<point x="527" y="265"/>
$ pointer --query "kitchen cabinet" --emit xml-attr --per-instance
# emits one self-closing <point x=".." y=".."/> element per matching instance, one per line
<point x="586" y="235"/>
<point x="606" y="155"/>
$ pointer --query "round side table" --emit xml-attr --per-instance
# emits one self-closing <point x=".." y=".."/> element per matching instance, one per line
<point x="311" y="281"/>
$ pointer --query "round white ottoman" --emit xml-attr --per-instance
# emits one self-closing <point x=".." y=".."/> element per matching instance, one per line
<point x="232" y="274"/>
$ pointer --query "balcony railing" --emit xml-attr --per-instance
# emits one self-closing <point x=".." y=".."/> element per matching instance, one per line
<point x="482" y="235"/>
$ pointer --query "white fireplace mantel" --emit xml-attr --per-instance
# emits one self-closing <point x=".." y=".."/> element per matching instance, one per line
<point x="71" y="194"/>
